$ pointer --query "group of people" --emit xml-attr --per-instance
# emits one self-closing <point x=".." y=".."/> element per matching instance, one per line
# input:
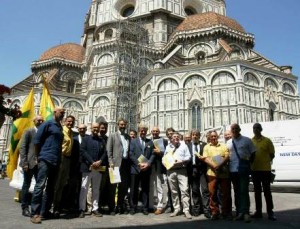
<point x="186" y="175"/>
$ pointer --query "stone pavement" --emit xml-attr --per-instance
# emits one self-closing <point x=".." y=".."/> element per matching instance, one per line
<point x="287" y="209"/>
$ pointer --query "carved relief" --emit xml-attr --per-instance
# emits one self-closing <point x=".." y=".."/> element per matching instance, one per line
<point x="271" y="95"/>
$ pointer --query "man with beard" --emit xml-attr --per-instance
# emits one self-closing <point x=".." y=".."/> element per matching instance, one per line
<point x="118" y="156"/>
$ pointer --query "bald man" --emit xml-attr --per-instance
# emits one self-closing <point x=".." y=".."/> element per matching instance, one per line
<point x="48" y="147"/>
<point x="227" y="135"/>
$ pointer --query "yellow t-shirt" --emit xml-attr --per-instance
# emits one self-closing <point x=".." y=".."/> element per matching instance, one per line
<point x="213" y="152"/>
<point x="264" y="149"/>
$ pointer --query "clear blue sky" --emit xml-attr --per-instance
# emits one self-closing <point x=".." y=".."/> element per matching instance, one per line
<point x="30" y="27"/>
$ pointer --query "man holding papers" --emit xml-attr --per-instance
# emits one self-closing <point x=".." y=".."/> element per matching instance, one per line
<point x="197" y="176"/>
<point x="158" y="174"/>
<point x="118" y="158"/>
<point x="177" y="174"/>
<point x="217" y="156"/>
<point x="141" y="156"/>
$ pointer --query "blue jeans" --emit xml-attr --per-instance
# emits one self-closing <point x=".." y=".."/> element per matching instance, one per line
<point x="240" y="184"/>
<point x="25" y="198"/>
<point x="40" y="205"/>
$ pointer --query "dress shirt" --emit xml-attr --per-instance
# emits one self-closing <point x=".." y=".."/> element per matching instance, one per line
<point x="125" y="144"/>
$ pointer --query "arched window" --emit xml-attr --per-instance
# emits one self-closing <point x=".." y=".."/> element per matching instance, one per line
<point x="108" y="34"/>
<point x="196" y="116"/>
<point x="168" y="85"/>
<point x="223" y="78"/>
<point x="250" y="79"/>
<point x="287" y="89"/>
<point x="194" y="80"/>
<point x="71" y="86"/>
<point x="270" y="83"/>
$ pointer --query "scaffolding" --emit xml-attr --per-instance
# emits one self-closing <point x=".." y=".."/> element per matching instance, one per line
<point x="132" y="42"/>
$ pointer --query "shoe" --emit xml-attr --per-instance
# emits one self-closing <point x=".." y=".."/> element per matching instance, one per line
<point x="214" y="217"/>
<point x="158" y="211"/>
<point x="26" y="212"/>
<point x="132" y="212"/>
<point x="168" y="210"/>
<point x="125" y="211"/>
<point x="56" y="215"/>
<point x="207" y="215"/>
<point x="112" y="213"/>
<point x="247" y="218"/>
<point x="36" y="219"/>
<point x="272" y="217"/>
<point x="188" y="215"/>
<point x="81" y="214"/>
<point x="96" y="213"/>
<point x="175" y="213"/>
<point x="257" y="215"/>
<point x="227" y="217"/>
<point x="239" y="217"/>
<point x="47" y="215"/>
<point x="145" y="212"/>
<point x="196" y="213"/>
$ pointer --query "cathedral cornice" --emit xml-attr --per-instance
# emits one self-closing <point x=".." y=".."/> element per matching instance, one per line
<point x="220" y="30"/>
<point x="55" y="61"/>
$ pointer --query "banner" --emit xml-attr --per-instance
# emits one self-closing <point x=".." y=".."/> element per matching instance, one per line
<point x="46" y="105"/>
<point x="19" y="125"/>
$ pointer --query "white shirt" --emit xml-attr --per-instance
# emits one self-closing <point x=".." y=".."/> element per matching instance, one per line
<point x="182" y="153"/>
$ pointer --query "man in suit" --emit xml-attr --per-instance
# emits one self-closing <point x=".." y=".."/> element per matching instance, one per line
<point x="118" y="156"/>
<point x="197" y="177"/>
<point x="141" y="156"/>
<point x="93" y="153"/>
<point x="28" y="163"/>
<point x="72" y="191"/>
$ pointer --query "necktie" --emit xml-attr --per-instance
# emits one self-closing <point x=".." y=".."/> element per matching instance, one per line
<point x="194" y="156"/>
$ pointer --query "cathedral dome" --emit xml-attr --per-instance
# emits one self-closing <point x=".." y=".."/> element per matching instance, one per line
<point x="68" y="51"/>
<point x="208" y="20"/>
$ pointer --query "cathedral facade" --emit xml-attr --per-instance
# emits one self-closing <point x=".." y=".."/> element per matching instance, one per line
<point x="179" y="63"/>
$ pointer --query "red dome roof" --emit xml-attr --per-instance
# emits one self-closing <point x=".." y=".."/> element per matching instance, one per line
<point x="68" y="51"/>
<point x="208" y="20"/>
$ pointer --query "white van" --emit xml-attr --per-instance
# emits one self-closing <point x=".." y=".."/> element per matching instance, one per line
<point x="285" y="136"/>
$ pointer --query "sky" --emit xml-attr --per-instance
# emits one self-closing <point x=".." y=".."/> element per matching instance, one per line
<point x="28" y="28"/>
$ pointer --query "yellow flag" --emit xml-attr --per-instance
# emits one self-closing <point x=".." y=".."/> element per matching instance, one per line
<point x="19" y="125"/>
<point x="47" y="105"/>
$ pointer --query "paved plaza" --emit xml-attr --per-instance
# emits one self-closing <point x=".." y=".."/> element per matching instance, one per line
<point x="287" y="209"/>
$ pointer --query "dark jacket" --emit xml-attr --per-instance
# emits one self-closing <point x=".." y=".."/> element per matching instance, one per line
<point x="135" y="152"/>
<point x="158" y="158"/>
<point x="201" y="165"/>
<point x="49" y="138"/>
<point x="91" y="149"/>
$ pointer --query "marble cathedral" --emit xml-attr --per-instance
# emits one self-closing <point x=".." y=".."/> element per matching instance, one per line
<point x="179" y="63"/>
